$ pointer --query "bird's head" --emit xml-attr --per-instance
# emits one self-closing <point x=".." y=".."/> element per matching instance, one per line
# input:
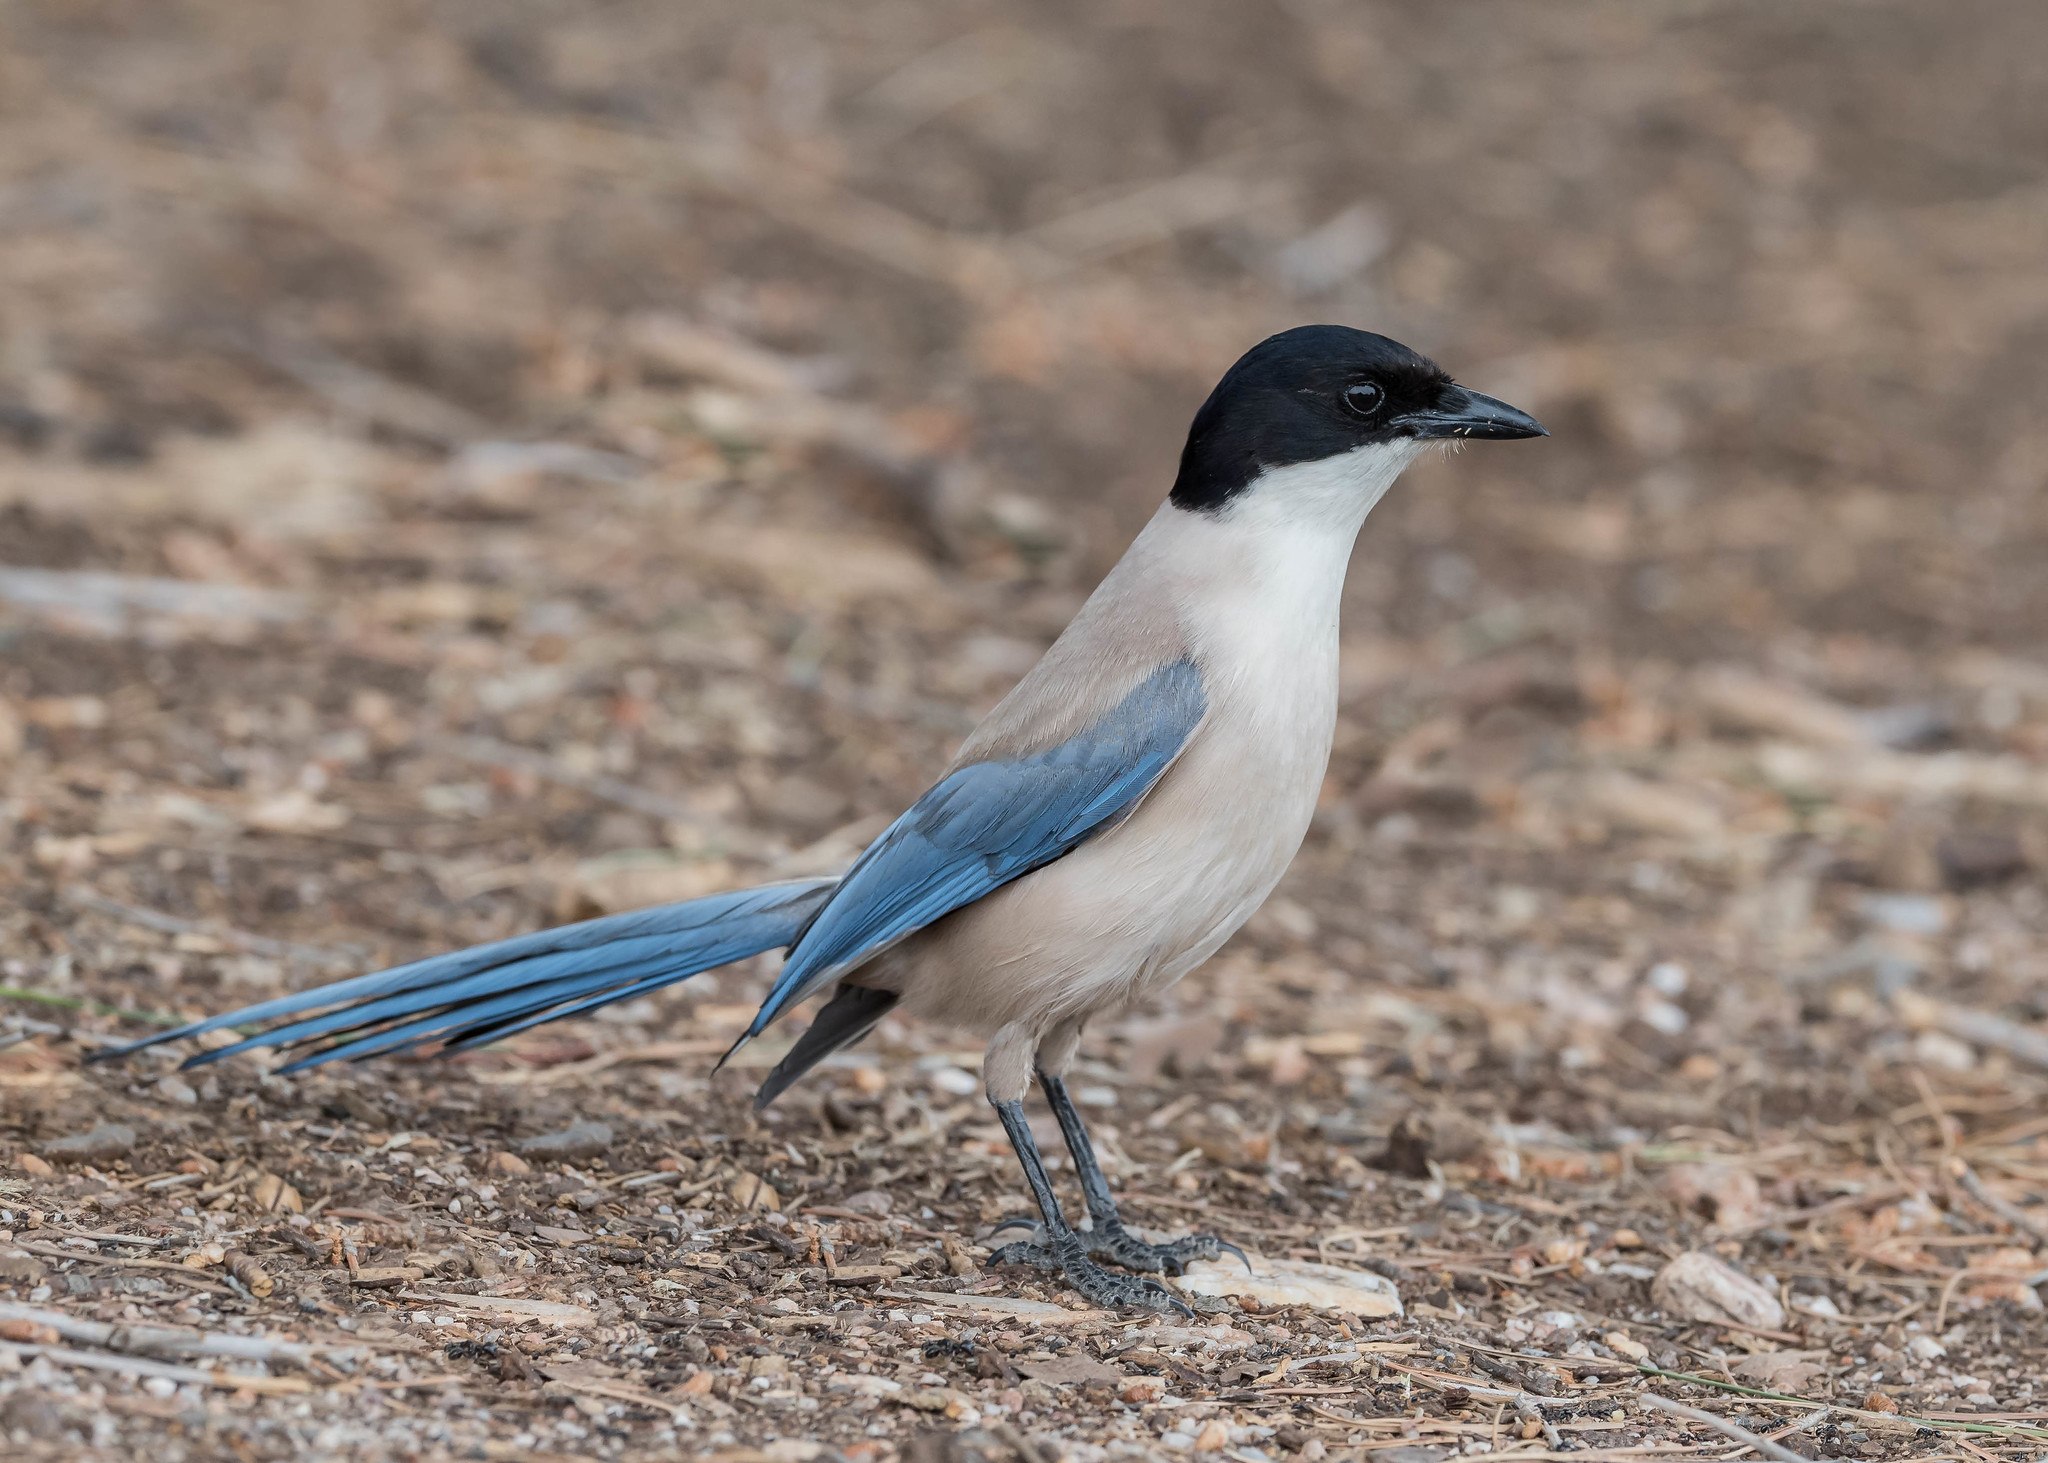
<point x="1326" y="394"/>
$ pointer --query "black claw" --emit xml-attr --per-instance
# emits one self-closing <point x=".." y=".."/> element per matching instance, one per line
<point x="1067" y="1255"/>
<point x="1114" y="1243"/>
<point x="1018" y="1221"/>
<point x="1242" y="1258"/>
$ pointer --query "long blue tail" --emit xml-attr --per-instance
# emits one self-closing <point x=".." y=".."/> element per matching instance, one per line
<point x="470" y="997"/>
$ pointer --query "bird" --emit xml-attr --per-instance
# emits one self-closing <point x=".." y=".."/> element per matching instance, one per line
<point x="1103" y="830"/>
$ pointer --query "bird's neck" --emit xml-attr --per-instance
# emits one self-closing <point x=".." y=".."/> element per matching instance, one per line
<point x="1268" y="568"/>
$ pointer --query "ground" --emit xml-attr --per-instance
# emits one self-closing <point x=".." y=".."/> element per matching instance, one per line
<point x="468" y="466"/>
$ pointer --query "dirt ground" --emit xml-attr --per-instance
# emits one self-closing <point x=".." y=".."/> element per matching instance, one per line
<point x="466" y="466"/>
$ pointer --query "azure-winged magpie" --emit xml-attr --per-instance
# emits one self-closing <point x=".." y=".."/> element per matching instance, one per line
<point x="1108" y="825"/>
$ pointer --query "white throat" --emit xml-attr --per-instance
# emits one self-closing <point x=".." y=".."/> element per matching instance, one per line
<point x="1331" y="496"/>
<point x="1260" y="582"/>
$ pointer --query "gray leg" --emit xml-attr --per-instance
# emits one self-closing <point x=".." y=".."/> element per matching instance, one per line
<point x="1059" y="1248"/>
<point x="1107" y="1239"/>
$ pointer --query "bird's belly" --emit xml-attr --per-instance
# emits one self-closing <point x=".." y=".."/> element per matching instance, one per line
<point x="1132" y="911"/>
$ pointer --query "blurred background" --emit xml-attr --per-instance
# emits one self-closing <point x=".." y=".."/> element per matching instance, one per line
<point x="467" y="466"/>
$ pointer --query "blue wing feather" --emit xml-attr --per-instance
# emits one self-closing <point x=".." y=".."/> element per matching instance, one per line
<point x="989" y="823"/>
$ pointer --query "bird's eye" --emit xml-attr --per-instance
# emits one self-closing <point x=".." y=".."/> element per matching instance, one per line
<point x="1365" y="398"/>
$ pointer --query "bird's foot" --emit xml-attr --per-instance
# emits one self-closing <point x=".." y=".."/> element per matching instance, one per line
<point x="1114" y="1243"/>
<point x="1067" y="1255"/>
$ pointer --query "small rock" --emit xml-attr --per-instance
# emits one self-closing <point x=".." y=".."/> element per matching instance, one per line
<point x="1946" y="1053"/>
<point x="96" y="1145"/>
<point x="35" y="1167"/>
<point x="1213" y="1438"/>
<point x="1702" y="1288"/>
<point x="1879" y="1402"/>
<point x="1925" y="1348"/>
<point x="955" y="1081"/>
<point x="1295" y="1283"/>
<point x="176" y="1089"/>
<point x="510" y="1163"/>
<point x="582" y="1139"/>
<point x="1626" y="1346"/>
<point x="1142" y="1390"/>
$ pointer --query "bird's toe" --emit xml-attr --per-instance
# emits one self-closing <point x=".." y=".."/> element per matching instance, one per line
<point x="1101" y="1287"/>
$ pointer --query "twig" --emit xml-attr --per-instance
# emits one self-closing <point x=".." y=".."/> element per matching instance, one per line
<point x="1807" y="1423"/>
<point x="102" y="1237"/>
<point x="135" y="1366"/>
<point x="171" y="924"/>
<point x="93" y="1257"/>
<point x="2010" y="1212"/>
<point x="165" y="1342"/>
<point x="1763" y="1446"/>
<point x="1894" y="1419"/>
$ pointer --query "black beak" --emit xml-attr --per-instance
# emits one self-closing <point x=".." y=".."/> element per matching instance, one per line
<point x="1459" y="413"/>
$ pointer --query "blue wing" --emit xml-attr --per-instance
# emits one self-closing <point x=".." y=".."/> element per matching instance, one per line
<point x="989" y="823"/>
<point x="473" y="996"/>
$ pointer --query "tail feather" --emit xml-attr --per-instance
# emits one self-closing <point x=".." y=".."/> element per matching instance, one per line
<point x="851" y="1014"/>
<point x="480" y="994"/>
